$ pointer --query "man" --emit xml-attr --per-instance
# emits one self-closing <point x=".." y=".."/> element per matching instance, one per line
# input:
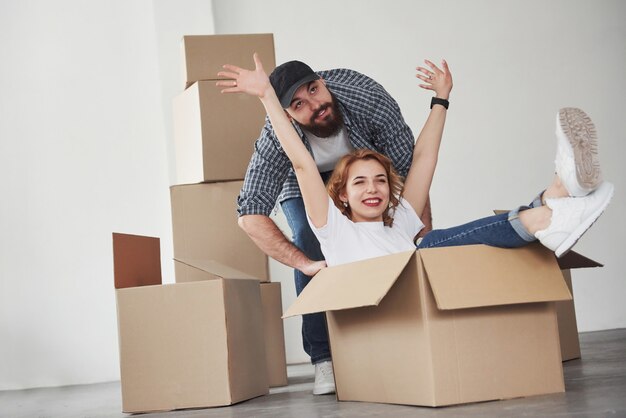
<point x="334" y="112"/>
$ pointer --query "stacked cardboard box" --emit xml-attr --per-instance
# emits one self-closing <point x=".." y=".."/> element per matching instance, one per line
<point x="216" y="336"/>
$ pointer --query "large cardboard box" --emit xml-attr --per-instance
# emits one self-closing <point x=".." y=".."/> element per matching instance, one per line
<point x="184" y="345"/>
<point x="204" y="222"/>
<point x="272" y="311"/>
<point x="442" y="326"/>
<point x="204" y="55"/>
<point x="214" y="133"/>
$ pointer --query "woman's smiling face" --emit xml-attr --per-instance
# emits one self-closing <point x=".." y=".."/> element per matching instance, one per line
<point x="367" y="191"/>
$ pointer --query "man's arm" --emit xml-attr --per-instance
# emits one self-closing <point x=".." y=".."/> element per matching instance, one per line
<point x="266" y="235"/>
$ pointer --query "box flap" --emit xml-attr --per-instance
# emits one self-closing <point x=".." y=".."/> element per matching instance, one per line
<point x="351" y="285"/>
<point x="478" y="275"/>
<point x="216" y="269"/>
<point x="573" y="260"/>
<point x="136" y="260"/>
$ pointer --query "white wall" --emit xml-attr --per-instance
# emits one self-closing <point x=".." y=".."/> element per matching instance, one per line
<point x="85" y="134"/>
<point x="515" y="63"/>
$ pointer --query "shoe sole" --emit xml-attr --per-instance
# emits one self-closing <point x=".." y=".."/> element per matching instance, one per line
<point x="581" y="134"/>
<point x="584" y="226"/>
<point x="327" y="390"/>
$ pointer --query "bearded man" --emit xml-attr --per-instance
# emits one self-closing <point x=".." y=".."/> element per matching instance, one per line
<point x="334" y="112"/>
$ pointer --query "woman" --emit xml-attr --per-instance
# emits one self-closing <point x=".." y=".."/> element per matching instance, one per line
<point x="367" y="212"/>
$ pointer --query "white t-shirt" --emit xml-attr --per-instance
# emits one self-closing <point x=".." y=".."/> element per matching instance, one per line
<point x="343" y="241"/>
<point x="327" y="151"/>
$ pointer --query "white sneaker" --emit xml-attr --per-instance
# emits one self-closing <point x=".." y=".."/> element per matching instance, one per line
<point x="324" y="378"/>
<point x="576" y="160"/>
<point x="572" y="216"/>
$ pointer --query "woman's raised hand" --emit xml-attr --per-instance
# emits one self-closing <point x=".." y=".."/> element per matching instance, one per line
<point x="438" y="80"/>
<point x="253" y="82"/>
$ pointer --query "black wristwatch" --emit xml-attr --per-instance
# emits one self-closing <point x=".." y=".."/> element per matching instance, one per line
<point x="439" y="101"/>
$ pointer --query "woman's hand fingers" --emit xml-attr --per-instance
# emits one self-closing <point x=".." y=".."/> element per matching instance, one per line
<point x="257" y="62"/>
<point x="435" y="78"/>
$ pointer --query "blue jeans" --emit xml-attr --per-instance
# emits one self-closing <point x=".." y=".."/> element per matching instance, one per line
<point x="314" y="332"/>
<point x="504" y="231"/>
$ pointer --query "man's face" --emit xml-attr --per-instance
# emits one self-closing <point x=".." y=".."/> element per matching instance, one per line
<point x="315" y="109"/>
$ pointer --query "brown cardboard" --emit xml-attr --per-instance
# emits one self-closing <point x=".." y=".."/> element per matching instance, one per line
<point x="413" y="344"/>
<point x="204" y="223"/>
<point x="196" y="270"/>
<point x="204" y="55"/>
<point x="214" y="133"/>
<point x="187" y="345"/>
<point x="568" y="328"/>
<point x="565" y="310"/>
<point x="274" y="334"/>
<point x="272" y="310"/>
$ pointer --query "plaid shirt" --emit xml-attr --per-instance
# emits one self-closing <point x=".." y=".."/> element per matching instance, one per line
<point x="372" y="118"/>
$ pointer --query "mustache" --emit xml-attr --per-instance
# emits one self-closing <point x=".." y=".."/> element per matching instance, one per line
<point x="318" y="111"/>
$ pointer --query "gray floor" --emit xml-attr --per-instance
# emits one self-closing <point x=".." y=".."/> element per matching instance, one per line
<point x="595" y="387"/>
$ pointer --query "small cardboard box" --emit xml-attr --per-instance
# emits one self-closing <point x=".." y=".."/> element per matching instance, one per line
<point x="272" y="310"/>
<point x="204" y="224"/>
<point x="442" y="326"/>
<point x="214" y="133"/>
<point x="204" y="55"/>
<point x="184" y="345"/>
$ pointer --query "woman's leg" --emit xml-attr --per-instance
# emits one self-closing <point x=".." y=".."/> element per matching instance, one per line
<point x="504" y="230"/>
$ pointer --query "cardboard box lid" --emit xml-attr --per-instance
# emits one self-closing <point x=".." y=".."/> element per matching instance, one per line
<point x="460" y="277"/>
<point x="352" y="285"/>
<point x="216" y="269"/>
<point x="136" y="261"/>
<point x="479" y="275"/>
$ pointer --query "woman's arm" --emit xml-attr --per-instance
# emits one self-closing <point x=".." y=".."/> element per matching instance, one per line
<point x="426" y="151"/>
<point x="257" y="83"/>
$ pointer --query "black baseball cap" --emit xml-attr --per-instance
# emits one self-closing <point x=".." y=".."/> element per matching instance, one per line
<point x="288" y="77"/>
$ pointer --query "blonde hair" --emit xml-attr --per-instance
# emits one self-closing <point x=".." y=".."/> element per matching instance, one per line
<point x="337" y="183"/>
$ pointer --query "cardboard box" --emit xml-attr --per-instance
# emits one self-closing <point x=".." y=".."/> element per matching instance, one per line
<point x="274" y="334"/>
<point x="565" y="310"/>
<point x="184" y="345"/>
<point x="214" y="133"/>
<point x="204" y="55"/>
<point x="204" y="222"/>
<point x="272" y="311"/>
<point x="442" y="326"/>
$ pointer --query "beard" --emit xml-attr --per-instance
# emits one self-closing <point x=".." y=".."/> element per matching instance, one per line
<point x="330" y="125"/>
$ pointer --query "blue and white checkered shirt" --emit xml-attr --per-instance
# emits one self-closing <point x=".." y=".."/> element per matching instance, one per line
<point x="372" y="118"/>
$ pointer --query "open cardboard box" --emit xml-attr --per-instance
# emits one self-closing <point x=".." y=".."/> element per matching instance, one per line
<point x="271" y="300"/>
<point x="442" y="326"/>
<point x="185" y="345"/>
